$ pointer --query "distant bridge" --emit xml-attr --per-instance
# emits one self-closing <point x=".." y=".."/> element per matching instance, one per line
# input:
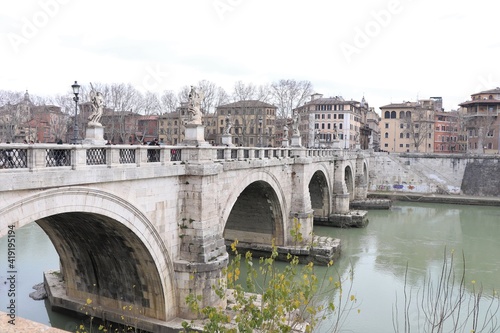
<point x="146" y="226"/>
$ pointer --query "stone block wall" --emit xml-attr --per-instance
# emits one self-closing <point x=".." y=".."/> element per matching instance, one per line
<point x="482" y="178"/>
<point x="435" y="173"/>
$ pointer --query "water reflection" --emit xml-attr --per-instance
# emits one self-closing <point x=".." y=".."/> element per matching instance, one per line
<point x="416" y="234"/>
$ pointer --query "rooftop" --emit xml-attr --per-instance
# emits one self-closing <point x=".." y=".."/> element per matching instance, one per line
<point x="248" y="103"/>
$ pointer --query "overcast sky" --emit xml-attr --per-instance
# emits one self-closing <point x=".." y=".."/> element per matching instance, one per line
<point x="387" y="50"/>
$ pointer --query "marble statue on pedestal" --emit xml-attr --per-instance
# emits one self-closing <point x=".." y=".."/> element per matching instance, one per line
<point x="295" y="123"/>
<point x="97" y="101"/>
<point x="194" y="106"/>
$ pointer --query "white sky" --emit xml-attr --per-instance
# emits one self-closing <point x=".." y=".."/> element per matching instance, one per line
<point x="387" y="50"/>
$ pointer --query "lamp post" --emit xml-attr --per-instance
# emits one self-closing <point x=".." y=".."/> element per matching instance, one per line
<point x="260" y="131"/>
<point x="76" y="91"/>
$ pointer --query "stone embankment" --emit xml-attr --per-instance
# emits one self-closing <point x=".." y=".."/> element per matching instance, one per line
<point x="440" y="178"/>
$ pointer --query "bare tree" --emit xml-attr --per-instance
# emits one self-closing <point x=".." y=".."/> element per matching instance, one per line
<point x="11" y="115"/>
<point x="150" y="104"/>
<point x="209" y="90"/>
<point x="419" y="126"/>
<point x="243" y="91"/>
<point x="480" y="126"/>
<point x="221" y="97"/>
<point x="58" y="125"/>
<point x="169" y="101"/>
<point x="289" y="94"/>
<point x="183" y="94"/>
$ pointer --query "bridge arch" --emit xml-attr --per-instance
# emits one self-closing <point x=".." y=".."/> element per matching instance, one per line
<point x="109" y="251"/>
<point x="255" y="210"/>
<point x="319" y="192"/>
<point x="349" y="181"/>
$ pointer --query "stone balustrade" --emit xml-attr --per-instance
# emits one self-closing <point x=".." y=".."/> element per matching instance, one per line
<point x="40" y="156"/>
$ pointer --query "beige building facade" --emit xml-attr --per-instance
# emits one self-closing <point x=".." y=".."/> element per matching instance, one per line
<point x="252" y="123"/>
<point x="409" y="126"/>
<point x="324" y="121"/>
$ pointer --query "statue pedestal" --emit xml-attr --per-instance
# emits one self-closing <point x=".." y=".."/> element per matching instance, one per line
<point x="227" y="140"/>
<point x="94" y="135"/>
<point x="336" y="144"/>
<point x="296" y="141"/>
<point x="284" y="143"/>
<point x="194" y="136"/>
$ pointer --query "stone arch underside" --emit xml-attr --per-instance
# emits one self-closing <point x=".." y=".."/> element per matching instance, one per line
<point x="320" y="195"/>
<point x="349" y="181"/>
<point x="109" y="251"/>
<point x="256" y="216"/>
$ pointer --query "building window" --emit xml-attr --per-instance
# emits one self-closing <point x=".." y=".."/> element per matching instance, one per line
<point x="400" y="135"/>
<point x="386" y="135"/>
<point x="401" y="145"/>
<point x="387" y="115"/>
<point x="393" y="115"/>
<point x="386" y="145"/>
<point x="407" y="135"/>
<point x="386" y="125"/>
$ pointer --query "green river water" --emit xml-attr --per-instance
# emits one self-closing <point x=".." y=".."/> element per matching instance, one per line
<point x="413" y="235"/>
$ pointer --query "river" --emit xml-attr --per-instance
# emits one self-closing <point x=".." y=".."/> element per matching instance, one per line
<point x="413" y="235"/>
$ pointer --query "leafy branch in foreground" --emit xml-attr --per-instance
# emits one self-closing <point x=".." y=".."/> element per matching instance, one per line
<point x="291" y="299"/>
<point x="445" y="305"/>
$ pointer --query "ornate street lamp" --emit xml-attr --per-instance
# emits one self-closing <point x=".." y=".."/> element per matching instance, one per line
<point x="76" y="91"/>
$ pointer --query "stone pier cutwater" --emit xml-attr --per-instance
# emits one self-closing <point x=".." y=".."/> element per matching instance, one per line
<point x="321" y="251"/>
<point x="351" y="219"/>
<point x="365" y="204"/>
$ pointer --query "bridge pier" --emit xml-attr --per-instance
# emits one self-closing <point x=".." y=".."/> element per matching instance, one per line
<point x="202" y="255"/>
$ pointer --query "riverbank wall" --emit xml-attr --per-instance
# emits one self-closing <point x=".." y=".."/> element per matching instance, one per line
<point x="439" y="174"/>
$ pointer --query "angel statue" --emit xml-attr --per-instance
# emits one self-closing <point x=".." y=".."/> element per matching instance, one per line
<point x="195" y="98"/>
<point x="295" y="123"/>
<point x="229" y="124"/>
<point x="97" y="101"/>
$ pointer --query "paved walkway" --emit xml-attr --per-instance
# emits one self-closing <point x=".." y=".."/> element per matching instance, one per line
<point x="24" y="326"/>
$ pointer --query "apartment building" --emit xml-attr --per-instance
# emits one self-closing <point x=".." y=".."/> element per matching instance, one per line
<point x="448" y="134"/>
<point x="409" y="126"/>
<point x="253" y="123"/>
<point x="481" y="121"/>
<point x="25" y="121"/>
<point x="324" y="121"/>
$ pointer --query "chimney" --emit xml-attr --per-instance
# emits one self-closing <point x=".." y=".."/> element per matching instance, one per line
<point x="316" y="96"/>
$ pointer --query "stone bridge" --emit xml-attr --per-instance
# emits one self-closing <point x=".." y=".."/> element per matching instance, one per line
<point x="142" y="227"/>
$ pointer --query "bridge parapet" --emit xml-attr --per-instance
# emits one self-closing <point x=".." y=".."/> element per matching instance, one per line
<point x="41" y="156"/>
